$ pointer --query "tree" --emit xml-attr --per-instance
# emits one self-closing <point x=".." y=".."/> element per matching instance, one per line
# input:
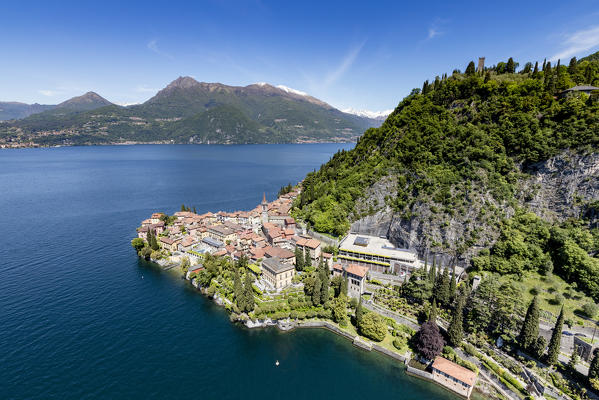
<point x="138" y="244"/>
<point x="470" y="69"/>
<point x="183" y="207"/>
<point x="155" y="245"/>
<point x="336" y="284"/>
<point x="359" y="314"/>
<point x="344" y="287"/>
<point x="339" y="308"/>
<point x="419" y="287"/>
<point x="238" y="291"/>
<point x="538" y="347"/>
<point x="535" y="72"/>
<point x="299" y="259"/>
<point x="556" y="338"/>
<point x="530" y="328"/>
<point x="455" y="332"/>
<point x="594" y="367"/>
<point x="432" y="271"/>
<point x="432" y="316"/>
<point x="428" y="340"/>
<point x="316" y="291"/>
<point x="573" y="67"/>
<point x="510" y="67"/>
<point x="249" y="293"/>
<point x="574" y="359"/>
<point x="452" y="286"/>
<point x="324" y="279"/>
<point x="443" y="289"/>
<point x="373" y="326"/>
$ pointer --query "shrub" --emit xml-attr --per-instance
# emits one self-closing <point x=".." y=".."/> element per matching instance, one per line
<point x="373" y="326"/>
<point x="589" y="310"/>
<point x="398" y="343"/>
<point x="557" y="300"/>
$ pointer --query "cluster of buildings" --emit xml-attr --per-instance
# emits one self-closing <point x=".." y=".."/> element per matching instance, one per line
<point x="269" y="237"/>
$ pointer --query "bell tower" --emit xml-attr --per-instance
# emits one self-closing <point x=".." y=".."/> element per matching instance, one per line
<point x="264" y="209"/>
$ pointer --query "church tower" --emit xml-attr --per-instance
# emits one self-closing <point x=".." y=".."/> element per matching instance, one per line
<point x="264" y="209"/>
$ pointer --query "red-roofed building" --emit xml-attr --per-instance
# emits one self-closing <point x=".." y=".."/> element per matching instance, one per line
<point x="356" y="277"/>
<point x="286" y="256"/>
<point x="453" y="376"/>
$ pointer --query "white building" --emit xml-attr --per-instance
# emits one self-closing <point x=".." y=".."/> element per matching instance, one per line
<point x="379" y="254"/>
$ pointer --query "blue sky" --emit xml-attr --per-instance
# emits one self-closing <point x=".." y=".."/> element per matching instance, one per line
<point x="364" y="55"/>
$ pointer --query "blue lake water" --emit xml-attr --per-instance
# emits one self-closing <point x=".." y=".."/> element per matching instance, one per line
<point x="82" y="318"/>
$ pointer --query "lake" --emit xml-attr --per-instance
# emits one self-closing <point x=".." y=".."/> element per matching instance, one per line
<point x="82" y="318"/>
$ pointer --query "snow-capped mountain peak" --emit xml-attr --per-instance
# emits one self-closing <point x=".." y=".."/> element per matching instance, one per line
<point x="290" y="90"/>
<point x="380" y="115"/>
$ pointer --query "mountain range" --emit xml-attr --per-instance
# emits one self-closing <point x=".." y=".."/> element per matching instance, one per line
<point x="186" y="111"/>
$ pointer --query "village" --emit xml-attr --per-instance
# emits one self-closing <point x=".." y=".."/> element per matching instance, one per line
<point x="283" y="259"/>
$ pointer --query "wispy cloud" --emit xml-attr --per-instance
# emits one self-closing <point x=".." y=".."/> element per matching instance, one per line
<point x="435" y="29"/>
<point x="577" y="42"/>
<point x="48" y="93"/>
<point x="346" y="63"/>
<point x="153" y="46"/>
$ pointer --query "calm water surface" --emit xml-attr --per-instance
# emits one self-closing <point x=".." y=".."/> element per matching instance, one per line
<point x="82" y="318"/>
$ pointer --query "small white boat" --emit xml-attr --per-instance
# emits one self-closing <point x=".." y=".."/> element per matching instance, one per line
<point x="277" y="363"/>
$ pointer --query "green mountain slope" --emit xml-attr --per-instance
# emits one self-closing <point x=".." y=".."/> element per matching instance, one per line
<point x="15" y="110"/>
<point x="187" y="111"/>
<point x="459" y="156"/>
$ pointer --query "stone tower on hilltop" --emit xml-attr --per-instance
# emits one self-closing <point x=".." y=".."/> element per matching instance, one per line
<point x="481" y="65"/>
<point x="264" y="209"/>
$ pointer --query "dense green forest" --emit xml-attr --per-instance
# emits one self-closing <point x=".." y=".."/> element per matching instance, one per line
<point x="466" y="132"/>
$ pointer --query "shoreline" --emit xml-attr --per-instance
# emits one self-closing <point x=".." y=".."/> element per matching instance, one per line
<point x="36" y="146"/>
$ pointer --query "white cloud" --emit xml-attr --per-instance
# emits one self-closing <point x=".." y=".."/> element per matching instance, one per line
<point x="578" y="42"/>
<point x="345" y="64"/>
<point x="153" y="46"/>
<point x="48" y="93"/>
<point x="433" y="31"/>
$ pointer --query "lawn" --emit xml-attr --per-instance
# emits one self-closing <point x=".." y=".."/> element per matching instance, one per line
<point x="549" y="288"/>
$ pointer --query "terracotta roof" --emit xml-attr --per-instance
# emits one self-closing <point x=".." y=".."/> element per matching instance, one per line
<point x="167" y="240"/>
<point x="455" y="370"/>
<point x="312" y="243"/>
<point x="157" y="215"/>
<point x="338" y="267"/>
<point x="188" y="241"/>
<point x="289" y="220"/>
<point x="279" y="252"/>
<point x="357" y="270"/>
<point x="220" y="253"/>
<point x="326" y="255"/>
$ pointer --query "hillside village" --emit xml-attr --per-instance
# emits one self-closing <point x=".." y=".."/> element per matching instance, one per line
<point x="284" y="265"/>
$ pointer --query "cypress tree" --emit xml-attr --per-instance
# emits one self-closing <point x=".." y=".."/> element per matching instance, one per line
<point x="455" y="332"/>
<point x="316" y="291"/>
<point x="432" y="271"/>
<point x="535" y="72"/>
<point x="556" y="338"/>
<point x="530" y="327"/>
<point x="572" y="68"/>
<point x="249" y="293"/>
<point x="510" y="67"/>
<point x="149" y="238"/>
<point x="183" y="207"/>
<point x="443" y="294"/>
<point x="238" y="290"/>
<point x="344" y="287"/>
<point x="324" y="279"/>
<point x="470" y="69"/>
<point x="299" y="259"/>
<point x="452" y="286"/>
<point x="544" y="64"/>
<point x="154" y="243"/>
<point x="359" y="313"/>
<point x="432" y="316"/>
<point x="574" y="358"/>
<point x="594" y="368"/>
<point x="425" y="87"/>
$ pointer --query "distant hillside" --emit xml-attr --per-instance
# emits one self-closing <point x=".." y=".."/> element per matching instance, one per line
<point x="188" y="111"/>
<point x="15" y="110"/>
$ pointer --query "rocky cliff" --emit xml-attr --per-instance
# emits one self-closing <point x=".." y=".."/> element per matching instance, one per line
<point x="559" y="188"/>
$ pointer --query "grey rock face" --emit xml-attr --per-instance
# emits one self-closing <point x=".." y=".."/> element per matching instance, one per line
<point x="556" y="189"/>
